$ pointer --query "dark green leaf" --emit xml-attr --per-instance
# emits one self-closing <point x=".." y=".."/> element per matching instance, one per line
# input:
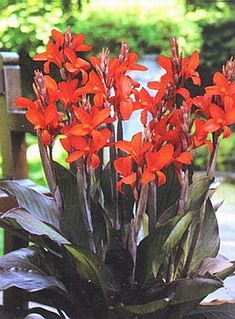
<point x="13" y="227"/>
<point x="34" y="225"/>
<point x="188" y="290"/>
<point x="44" y="313"/>
<point x="21" y="268"/>
<point x="188" y="294"/>
<point x="219" y="267"/>
<point x="156" y="247"/>
<point x="38" y="205"/>
<point x="208" y="242"/>
<point x="107" y="189"/>
<point x="224" y="311"/>
<point x="72" y="222"/>
<point x="197" y="192"/>
<point x="101" y="225"/>
<point x="168" y="193"/>
<point x="89" y="267"/>
<point x="146" y="308"/>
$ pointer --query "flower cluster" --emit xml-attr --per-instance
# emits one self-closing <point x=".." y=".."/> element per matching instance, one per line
<point x="92" y="98"/>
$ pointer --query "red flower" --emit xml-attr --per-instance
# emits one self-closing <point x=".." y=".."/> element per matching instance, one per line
<point x="156" y="161"/>
<point x="224" y="88"/>
<point x="45" y="118"/>
<point x="189" y="65"/>
<point x="200" y="135"/>
<point x="94" y="86"/>
<point x="123" y="166"/>
<point x="78" y="43"/>
<point x="51" y="55"/>
<point x="220" y="120"/>
<point x="66" y="92"/>
<point x="75" y="64"/>
<point x="136" y="148"/>
<point x="129" y="64"/>
<point x="86" y="139"/>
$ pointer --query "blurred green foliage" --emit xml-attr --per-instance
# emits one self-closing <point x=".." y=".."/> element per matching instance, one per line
<point x="25" y="27"/>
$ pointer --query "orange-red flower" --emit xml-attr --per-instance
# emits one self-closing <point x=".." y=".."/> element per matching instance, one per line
<point x="137" y="148"/>
<point x="86" y="138"/>
<point x="224" y="88"/>
<point x="220" y="120"/>
<point x="51" y="55"/>
<point x="189" y="65"/>
<point x="66" y="92"/>
<point x="94" y="86"/>
<point x="76" y="64"/>
<point x="156" y="161"/>
<point x="47" y="118"/>
<point x="123" y="166"/>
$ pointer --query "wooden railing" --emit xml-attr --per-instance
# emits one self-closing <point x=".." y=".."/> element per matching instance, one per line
<point x="13" y="127"/>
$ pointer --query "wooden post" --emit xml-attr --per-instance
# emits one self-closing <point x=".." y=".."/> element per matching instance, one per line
<point x="12" y="141"/>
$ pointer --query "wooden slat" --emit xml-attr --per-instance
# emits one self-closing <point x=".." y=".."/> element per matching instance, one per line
<point x="18" y="123"/>
<point x="14" y="162"/>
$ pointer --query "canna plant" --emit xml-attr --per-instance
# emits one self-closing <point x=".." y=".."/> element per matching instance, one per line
<point x="127" y="231"/>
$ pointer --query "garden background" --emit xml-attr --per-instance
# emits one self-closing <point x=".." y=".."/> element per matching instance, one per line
<point x="207" y="26"/>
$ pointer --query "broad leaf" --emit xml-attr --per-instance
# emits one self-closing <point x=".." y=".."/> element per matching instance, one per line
<point x="208" y="241"/>
<point x="188" y="294"/>
<point x="168" y="193"/>
<point x="156" y="247"/>
<point x="147" y="308"/>
<point x="187" y="290"/>
<point x="88" y="267"/>
<point x="101" y="225"/>
<point x="34" y="225"/>
<point x="107" y="188"/>
<point x="72" y="222"/>
<point x="38" y="205"/>
<point x="197" y="193"/>
<point x="224" y="311"/>
<point x="219" y="267"/>
<point x="13" y="227"/>
<point x="22" y="269"/>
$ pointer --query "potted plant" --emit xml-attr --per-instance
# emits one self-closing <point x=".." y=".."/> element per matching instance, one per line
<point x="128" y="231"/>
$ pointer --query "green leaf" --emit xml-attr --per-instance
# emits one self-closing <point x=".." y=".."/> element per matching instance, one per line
<point x="208" y="241"/>
<point x="22" y="269"/>
<point x="72" y="220"/>
<point x="146" y="308"/>
<point x="34" y="225"/>
<point x="188" y="294"/>
<point x="219" y="267"/>
<point x="89" y="267"/>
<point x="38" y="205"/>
<point x="224" y="311"/>
<point x="156" y="247"/>
<point x="168" y="193"/>
<point x="188" y="290"/>
<point x="102" y="226"/>
<point x="197" y="192"/>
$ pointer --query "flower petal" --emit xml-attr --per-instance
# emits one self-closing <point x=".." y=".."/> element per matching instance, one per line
<point x="74" y="156"/>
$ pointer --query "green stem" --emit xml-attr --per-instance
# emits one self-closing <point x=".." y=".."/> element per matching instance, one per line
<point x="114" y="179"/>
<point x="50" y="175"/>
<point x="152" y="206"/>
<point x="83" y="193"/>
<point x="184" y="182"/>
<point x="213" y="157"/>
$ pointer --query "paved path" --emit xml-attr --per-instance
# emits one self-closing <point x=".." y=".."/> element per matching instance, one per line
<point x="226" y="221"/>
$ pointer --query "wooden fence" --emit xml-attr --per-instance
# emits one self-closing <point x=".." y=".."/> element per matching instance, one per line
<point x="13" y="127"/>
